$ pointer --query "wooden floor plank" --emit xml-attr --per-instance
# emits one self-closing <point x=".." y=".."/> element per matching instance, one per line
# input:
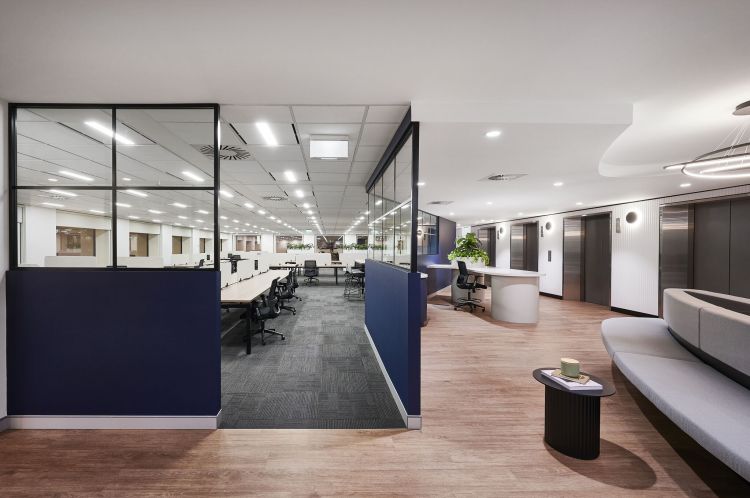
<point x="482" y="436"/>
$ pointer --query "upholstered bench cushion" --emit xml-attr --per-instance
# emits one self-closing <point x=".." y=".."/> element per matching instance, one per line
<point x="682" y="314"/>
<point x="725" y="335"/>
<point x="711" y="408"/>
<point x="644" y="336"/>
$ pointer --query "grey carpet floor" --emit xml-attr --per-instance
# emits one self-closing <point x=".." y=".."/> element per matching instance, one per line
<point x="324" y="375"/>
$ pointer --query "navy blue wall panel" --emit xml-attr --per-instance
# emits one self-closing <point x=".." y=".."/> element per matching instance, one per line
<point x="113" y="343"/>
<point x="446" y="242"/>
<point x="393" y="313"/>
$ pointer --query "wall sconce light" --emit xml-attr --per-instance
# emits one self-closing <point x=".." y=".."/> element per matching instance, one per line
<point x="631" y="217"/>
<point x="548" y="226"/>
<point x="500" y="231"/>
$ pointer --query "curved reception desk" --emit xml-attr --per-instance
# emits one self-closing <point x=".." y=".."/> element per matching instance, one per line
<point x="515" y="293"/>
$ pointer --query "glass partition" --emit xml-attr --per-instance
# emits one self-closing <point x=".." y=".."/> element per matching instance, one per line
<point x="75" y="168"/>
<point x="390" y="200"/>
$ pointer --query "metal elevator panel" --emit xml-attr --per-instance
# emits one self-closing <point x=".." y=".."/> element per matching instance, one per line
<point x="487" y="238"/>
<point x="675" y="249"/>
<point x="573" y="258"/>
<point x="531" y="247"/>
<point x="517" y="247"/>
<point x="597" y="259"/>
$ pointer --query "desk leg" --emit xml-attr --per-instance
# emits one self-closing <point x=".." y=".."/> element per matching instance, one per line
<point x="249" y="328"/>
<point x="336" y="274"/>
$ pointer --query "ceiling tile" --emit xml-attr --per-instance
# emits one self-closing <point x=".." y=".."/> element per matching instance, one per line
<point x="359" y="178"/>
<point x="386" y="113"/>
<point x="377" y="134"/>
<point x="328" y="177"/>
<point x="329" y="166"/>
<point x="252" y="114"/>
<point x="283" y="132"/>
<point x="369" y="153"/>
<point x="280" y="153"/>
<point x="328" y="114"/>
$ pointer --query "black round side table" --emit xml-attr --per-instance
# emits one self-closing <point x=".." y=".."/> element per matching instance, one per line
<point x="571" y="418"/>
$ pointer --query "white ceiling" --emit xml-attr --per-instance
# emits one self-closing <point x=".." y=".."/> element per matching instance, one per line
<point x="679" y="65"/>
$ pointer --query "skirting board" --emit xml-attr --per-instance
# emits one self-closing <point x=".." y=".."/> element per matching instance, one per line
<point x="4" y="424"/>
<point x="413" y="422"/>
<point x="111" y="422"/>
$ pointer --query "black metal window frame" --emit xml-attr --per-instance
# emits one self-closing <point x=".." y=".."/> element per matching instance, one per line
<point x="407" y="129"/>
<point x="13" y="108"/>
<point x="437" y="233"/>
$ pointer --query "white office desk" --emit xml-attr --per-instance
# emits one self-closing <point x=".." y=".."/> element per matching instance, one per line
<point x="245" y="292"/>
<point x="515" y="293"/>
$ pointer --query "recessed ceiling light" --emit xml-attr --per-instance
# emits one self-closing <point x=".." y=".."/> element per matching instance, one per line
<point x="305" y="205"/>
<point x="579" y="204"/>
<point x="379" y="202"/>
<point x="684" y="185"/>
<point x="192" y="176"/>
<point x="255" y="226"/>
<point x="235" y="221"/>
<point x="76" y="176"/>
<point x="271" y="217"/>
<point x="489" y="203"/>
<point x="97" y="211"/>
<point x="108" y="131"/>
<point x="299" y="193"/>
<point x="266" y="133"/>
<point x="122" y="205"/>
<point x="62" y="192"/>
<point x="156" y="221"/>
<point x="557" y="184"/>
<point x="290" y="176"/>
<point x="154" y="211"/>
<point x="126" y="179"/>
<point x="179" y="205"/>
<point x="53" y="180"/>
<point x="309" y="211"/>
<point x="182" y="217"/>
<point x="493" y="134"/>
<point x="223" y="217"/>
<point x="420" y="184"/>
<point x="133" y="217"/>
<point x="226" y="194"/>
<point x="136" y="193"/>
<point x="199" y="221"/>
<point x="451" y="214"/>
<point x="53" y="204"/>
<point x="367" y="212"/>
<point x="202" y="211"/>
<point x="520" y="213"/>
<point x="260" y="211"/>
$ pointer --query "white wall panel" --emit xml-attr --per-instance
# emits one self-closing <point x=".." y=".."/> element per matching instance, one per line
<point x="39" y="230"/>
<point x="635" y="250"/>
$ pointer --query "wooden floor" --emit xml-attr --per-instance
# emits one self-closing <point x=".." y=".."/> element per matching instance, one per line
<point x="482" y="435"/>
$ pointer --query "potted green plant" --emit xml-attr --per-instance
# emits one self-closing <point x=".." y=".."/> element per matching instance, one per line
<point x="469" y="249"/>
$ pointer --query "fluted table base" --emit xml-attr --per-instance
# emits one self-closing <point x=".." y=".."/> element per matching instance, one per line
<point x="571" y="423"/>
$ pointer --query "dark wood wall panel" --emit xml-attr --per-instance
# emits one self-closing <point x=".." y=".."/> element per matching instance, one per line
<point x="739" y="248"/>
<point x="597" y="259"/>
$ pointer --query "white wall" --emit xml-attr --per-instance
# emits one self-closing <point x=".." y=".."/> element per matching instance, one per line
<point x="266" y="243"/>
<point x="4" y="263"/>
<point x="635" y="250"/>
<point x="39" y="232"/>
<point x="309" y="239"/>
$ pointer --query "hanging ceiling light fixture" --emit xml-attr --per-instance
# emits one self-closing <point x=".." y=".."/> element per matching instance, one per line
<point x="728" y="162"/>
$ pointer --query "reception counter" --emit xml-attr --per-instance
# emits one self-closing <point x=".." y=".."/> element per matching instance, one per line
<point x="515" y="293"/>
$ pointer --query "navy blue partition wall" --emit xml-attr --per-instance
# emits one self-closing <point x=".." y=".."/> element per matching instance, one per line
<point x="392" y="314"/>
<point x="102" y="342"/>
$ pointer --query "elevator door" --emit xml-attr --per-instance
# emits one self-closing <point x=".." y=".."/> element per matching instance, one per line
<point x="597" y="258"/>
<point x="531" y="249"/>
<point x="487" y="238"/>
<point x="573" y="258"/>
<point x="711" y="247"/>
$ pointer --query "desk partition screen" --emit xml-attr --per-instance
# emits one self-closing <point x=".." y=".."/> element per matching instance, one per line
<point x="86" y="178"/>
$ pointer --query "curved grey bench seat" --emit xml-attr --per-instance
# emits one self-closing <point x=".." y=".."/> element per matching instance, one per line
<point x="704" y="402"/>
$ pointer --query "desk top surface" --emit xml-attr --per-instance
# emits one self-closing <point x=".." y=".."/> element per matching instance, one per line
<point x="327" y="265"/>
<point x="250" y="289"/>
<point x="491" y="271"/>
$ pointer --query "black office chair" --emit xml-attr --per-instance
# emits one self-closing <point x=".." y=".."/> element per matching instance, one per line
<point x="311" y="271"/>
<point x="200" y="263"/>
<point x="469" y="283"/>
<point x="285" y="292"/>
<point x="295" y="284"/>
<point x="268" y="309"/>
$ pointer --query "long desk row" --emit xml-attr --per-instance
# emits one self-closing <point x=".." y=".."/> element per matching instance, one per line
<point x="330" y="266"/>
<point x="242" y="294"/>
<point x="515" y="293"/>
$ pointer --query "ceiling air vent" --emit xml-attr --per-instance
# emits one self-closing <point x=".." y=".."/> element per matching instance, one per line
<point x="274" y="198"/>
<point x="440" y="203"/>
<point x="226" y="152"/>
<point x="503" y="177"/>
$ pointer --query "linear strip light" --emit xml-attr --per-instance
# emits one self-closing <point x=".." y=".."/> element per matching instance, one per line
<point x="62" y="192"/>
<point x="76" y="176"/>
<point x="108" y="131"/>
<point x="136" y="193"/>
<point x="266" y="133"/>
<point x="192" y="176"/>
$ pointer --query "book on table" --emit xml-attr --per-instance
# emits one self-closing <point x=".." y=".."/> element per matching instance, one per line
<point x="572" y="385"/>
